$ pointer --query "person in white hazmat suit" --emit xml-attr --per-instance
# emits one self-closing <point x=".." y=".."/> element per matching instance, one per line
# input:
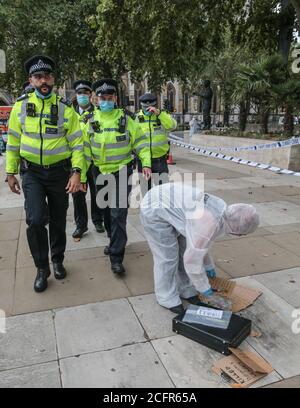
<point x="181" y="222"/>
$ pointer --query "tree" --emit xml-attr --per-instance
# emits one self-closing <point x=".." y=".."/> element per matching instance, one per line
<point x="164" y="39"/>
<point x="58" y="28"/>
<point x="296" y="5"/>
<point x="258" y="80"/>
<point x="287" y="95"/>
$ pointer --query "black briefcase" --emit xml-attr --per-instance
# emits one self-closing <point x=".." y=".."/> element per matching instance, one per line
<point x="217" y="339"/>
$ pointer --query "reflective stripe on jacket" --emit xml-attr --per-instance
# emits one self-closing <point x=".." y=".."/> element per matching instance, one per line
<point x="40" y="139"/>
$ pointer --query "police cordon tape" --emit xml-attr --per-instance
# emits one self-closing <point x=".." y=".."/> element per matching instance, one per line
<point x="177" y="141"/>
<point x="293" y="141"/>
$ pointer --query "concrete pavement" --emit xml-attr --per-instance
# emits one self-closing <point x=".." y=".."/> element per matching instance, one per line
<point x="96" y="330"/>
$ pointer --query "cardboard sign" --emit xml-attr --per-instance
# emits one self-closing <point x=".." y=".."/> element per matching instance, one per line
<point x="240" y="296"/>
<point x="242" y="368"/>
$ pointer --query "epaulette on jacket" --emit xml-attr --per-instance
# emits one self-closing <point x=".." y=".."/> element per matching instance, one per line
<point x="65" y="102"/>
<point x="129" y="113"/>
<point x="22" y="97"/>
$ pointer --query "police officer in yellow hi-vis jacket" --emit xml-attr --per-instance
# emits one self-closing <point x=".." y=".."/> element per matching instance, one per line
<point x="45" y="144"/>
<point x="113" y="134"/>
<point x="155" y="125"/>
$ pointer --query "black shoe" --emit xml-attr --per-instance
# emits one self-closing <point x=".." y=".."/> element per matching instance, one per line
<point x="117" y="268"/>
<point x="40" y="283"/>
<point x="106" y="250"/>
<point x="99" y="228"/>
<point x="194" y="300"/>
<point x="79" y="232"/>
<point x="59" y="270"/>
<point x="177" y="309"/>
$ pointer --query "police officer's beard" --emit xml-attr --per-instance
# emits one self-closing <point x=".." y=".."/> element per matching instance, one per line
<point x="49" y="89"/>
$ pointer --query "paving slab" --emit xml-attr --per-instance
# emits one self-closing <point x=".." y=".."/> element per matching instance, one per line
<point x="285" y="283"/>
<point x="259" y="232"/>
<point x="185" y="164"/>
<point x="132" y="366"/>
<point x="272" y="316"/>
<point x="29" y="339"/>
<point x="292" y="199"/>
<point x="24" y="257"/>
<point x="247" y="171"/>
<point x="9" y="200"/>
<point x="87" y="281"/>
<point x="96" y="327"/>
<point x="8" y="253"/>
<point x="278" y="229"/>
<point x="36" y="376"/>
<point x="228" y="184"/>
<point x="85" y="253"/>
<point x="7" y="279"/>
<point x="139" y="272"/>
<point x="293" y="382"/>
<point x="9" y="230"/>
<point x="189" y="364"/>
<point x="251" y="256"/>
<point x="284" y="190"/>
<point x="155" y="319"/>
<point x="278" y="213"/>
<point x="269" y="179"/>
<point x="288" y="240"/>
<point x="246" y="195"/>
<point x="10" y="214"/>
<point x="93" y="239"/>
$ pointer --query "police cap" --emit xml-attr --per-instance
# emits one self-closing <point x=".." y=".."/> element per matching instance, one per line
<point x="148" y="99"/>
<point x="82" y="84"/>
<point x="39" y="64"/>
<point x="105" y="86"/>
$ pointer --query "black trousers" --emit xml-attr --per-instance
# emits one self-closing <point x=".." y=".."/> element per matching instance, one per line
<point x="80" y="205"/>
<point x="46" y="201"/>
<point x="112" y="196"/>
<point x="160" y="171"/>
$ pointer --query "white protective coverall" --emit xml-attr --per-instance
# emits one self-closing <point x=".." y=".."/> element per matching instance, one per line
<point x="181" y="222"/>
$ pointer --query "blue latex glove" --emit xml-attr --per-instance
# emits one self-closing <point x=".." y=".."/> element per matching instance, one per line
<point x="211" y="273"/>
<point x="208" y="292"/>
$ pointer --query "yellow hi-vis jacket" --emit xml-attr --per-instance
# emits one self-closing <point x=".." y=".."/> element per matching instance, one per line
<point x="111" y="137"/>
<point x="156" y="128"/>
<point x="83" y="119"/>
<point x="40" y="136"/>
<point x="85" y="115"/>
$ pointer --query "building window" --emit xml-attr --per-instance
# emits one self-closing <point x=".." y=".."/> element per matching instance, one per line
<point x="171" y="97"/>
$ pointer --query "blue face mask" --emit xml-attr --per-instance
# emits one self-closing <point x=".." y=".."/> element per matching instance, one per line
<point x="147" y="113"/>
<point x="83" y="100"/>
<point x="41" y="96"/>
<point x="106" y="106"/>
